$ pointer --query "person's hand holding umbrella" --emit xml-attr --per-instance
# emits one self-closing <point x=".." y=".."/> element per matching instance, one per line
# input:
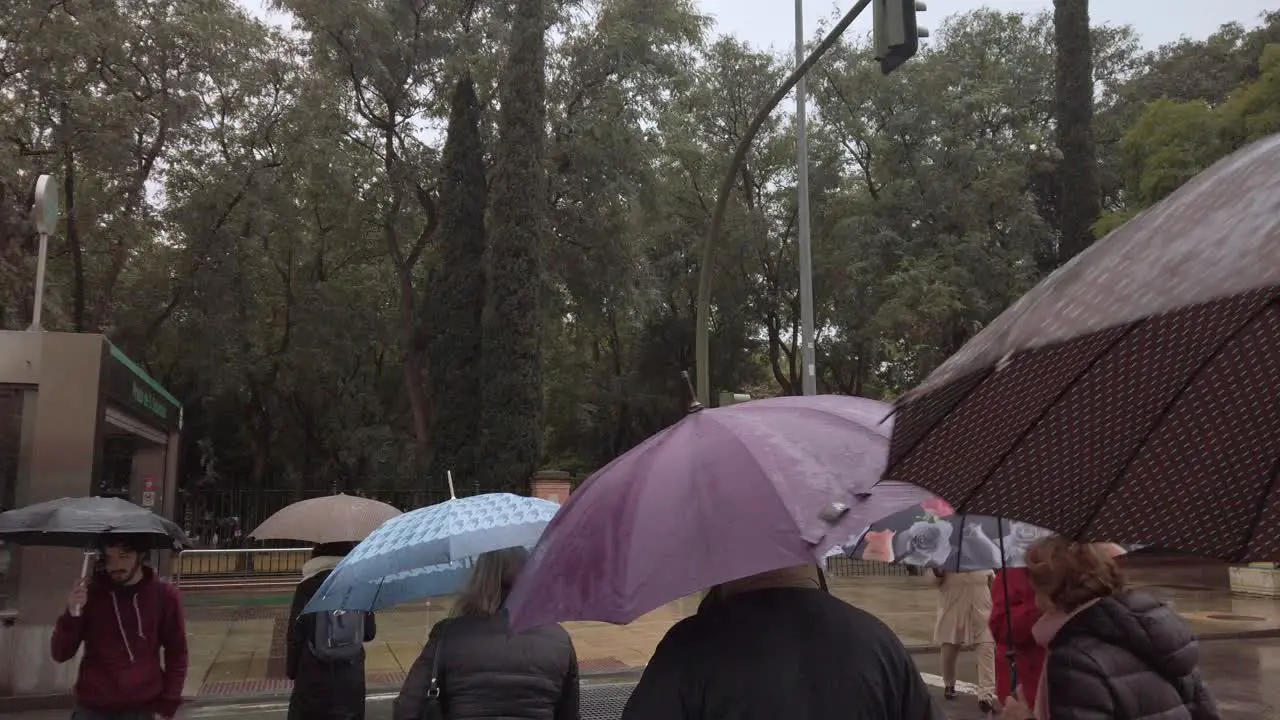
<point x="1015" y="708"/>
<point x="78" y="596"/>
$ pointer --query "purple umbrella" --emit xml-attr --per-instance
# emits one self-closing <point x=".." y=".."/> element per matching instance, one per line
<point x="720" y="495"/>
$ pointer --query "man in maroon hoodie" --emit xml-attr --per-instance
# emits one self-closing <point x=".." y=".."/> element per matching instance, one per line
<point x="124" y="616"/>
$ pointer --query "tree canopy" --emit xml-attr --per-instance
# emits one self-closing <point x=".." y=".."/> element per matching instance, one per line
<point x="405" y="237"/>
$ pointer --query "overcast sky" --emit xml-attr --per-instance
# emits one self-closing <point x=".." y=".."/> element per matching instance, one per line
<point x="766" y="23"/>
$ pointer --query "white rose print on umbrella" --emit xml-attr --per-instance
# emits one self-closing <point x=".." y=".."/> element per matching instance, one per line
<point x="933" y="535"/>
<point x="926" y="543"/>
<point x="1019" y="538"/>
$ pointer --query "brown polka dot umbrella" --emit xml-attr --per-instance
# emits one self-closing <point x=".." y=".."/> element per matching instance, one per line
<point x="1134" y="395"/>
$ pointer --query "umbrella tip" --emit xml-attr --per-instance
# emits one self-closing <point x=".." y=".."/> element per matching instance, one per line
<point x="833" y="512"/>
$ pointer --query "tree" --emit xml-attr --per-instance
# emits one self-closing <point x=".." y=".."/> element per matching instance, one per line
<point x="511" y="358"/>
<point x="1080" y="198"/>
<point x="387" y="55"/>
<point x="261" y="285"/>
<point x="1171" y="141"/>
<point x="455" y="290"/>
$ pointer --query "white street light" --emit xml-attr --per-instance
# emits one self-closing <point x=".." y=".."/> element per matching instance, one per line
<point x="45" y="216"/>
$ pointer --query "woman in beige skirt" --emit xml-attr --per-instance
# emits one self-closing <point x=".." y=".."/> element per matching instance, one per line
<point x="964" y="606"/>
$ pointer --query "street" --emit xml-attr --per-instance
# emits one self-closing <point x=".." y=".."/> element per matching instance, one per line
<point x="1234" y="669"/>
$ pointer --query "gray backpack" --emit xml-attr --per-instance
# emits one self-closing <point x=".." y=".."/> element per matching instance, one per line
<point x="338" y="636"/>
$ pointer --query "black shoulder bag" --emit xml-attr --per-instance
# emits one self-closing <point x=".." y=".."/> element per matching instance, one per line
<point x="432" y="708"/>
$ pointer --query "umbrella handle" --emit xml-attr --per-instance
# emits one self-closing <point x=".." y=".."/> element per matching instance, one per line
<point x="1011" y="655"/>
<point x="84" y="572"/>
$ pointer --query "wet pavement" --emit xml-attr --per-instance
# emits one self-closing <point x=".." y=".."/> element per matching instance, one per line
<point x="1241" y="674"/>
<point x="237" y="646"/>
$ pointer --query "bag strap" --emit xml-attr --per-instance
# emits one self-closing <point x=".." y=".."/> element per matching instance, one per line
<point x="433" y="687"/>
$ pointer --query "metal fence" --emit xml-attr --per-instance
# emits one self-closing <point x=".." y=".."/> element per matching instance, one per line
<point x="849" y="567"/>
<point x="210" y="565"/>
<point x="219" y="521"/>
<point x="224" y="518"/>
<point x="604" y="701"/>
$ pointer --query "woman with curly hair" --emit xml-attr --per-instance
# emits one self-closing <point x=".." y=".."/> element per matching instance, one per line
<point x="1111" y="652"/>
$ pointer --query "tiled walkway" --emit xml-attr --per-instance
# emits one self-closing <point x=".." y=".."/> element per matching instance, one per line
<point x="239" y="650"/>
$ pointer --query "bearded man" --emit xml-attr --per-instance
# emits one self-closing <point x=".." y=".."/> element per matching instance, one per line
<point x="134" y="635"/>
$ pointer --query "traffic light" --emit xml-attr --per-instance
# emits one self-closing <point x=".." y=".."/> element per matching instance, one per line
<point x="896" y="34"/>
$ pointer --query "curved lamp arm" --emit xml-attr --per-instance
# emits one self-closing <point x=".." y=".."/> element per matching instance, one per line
<point x="701" y="345"/>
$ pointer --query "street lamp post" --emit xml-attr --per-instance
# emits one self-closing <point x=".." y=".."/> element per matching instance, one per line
<point x="45" y="216"/>
<point x="809" y="379"/>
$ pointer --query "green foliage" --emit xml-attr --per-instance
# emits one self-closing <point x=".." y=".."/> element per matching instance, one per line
<point x="1170" y="142"/>
<point x="254" y="212"/>
<point x="1173" y="140"/>
<point x="455" y="291"/>
<point x="510" y="440"/>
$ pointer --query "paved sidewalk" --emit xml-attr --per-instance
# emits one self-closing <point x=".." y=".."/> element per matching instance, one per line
<point x="1239" y="674"/>
<point x="239" y="649"/>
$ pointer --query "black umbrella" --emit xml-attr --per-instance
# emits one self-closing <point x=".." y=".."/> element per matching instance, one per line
<point x="83" y="522"/>
<point x="1134" y="395"/>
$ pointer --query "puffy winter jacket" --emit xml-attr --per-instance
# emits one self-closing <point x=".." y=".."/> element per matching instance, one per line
<point x="487" y="672"/>
<point x="1128" y="657"/>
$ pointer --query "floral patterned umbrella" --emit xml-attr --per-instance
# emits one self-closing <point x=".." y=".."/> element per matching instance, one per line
<point x="932" y="535"/>
<point x="1134" y="395"/>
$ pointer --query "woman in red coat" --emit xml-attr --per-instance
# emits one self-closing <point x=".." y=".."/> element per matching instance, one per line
<point x="1010" y="624"/>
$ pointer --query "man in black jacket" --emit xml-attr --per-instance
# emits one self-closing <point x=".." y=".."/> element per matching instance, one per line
<point x="776" y="645"/>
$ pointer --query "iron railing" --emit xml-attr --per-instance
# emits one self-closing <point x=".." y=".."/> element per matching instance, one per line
<point x="210" y="567"/>
<point x="849" y="567"/>
<point x="224" y="518"/>
<point x="604" y="701"/>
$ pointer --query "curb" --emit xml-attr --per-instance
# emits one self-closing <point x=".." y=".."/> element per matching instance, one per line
<point x="607" y="678"/>
<point x="63" y="701"/>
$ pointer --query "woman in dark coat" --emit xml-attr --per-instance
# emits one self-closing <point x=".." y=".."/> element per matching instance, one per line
<point x="485" y="670"/>
<point x="322" y="690"/>
<point x="1013" y="614"/>
<point x="1113" y="653"/>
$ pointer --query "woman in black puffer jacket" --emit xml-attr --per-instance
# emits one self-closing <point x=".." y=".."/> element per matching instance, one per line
<point x="487" y="672"/>
<point x="1112" y="653"/>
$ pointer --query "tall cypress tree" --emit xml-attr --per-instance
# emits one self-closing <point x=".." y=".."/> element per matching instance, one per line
<point x="455" y="291"/>
<point x="511" y="398"/>
<point x="1080" y="196"/>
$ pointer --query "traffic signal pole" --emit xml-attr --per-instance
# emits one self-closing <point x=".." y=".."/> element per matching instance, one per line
<point x="896" y="14"/>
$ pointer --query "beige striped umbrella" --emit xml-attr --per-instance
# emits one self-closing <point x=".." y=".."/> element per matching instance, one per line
<point x="329" y="519"/>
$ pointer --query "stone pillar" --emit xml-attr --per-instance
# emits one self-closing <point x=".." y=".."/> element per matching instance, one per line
<point x="61" y="442"/>
<point x="552" y="485"/>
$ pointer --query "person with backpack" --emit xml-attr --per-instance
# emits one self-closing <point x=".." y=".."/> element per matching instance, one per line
<point x="135" y="641"/>
<point x="325" y="653"/>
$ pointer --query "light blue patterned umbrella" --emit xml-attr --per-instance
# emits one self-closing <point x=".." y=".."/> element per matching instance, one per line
<point x="428" y="552"/>
<point x="394" y="589"/>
